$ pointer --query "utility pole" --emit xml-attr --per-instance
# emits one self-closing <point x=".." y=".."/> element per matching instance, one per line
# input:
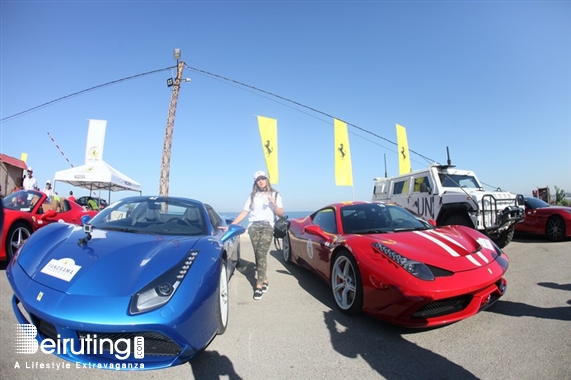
<point x="166" y="159"/>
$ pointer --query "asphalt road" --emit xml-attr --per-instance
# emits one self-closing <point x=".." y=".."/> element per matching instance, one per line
<point x="295" y="332"/>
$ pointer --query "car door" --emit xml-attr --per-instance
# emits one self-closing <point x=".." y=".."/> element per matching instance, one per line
<point x="317" y="252"/>
<point x="532" y="222"/>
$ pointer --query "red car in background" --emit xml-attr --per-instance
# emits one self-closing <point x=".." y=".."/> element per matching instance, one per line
<point x="27" y="210"/>
<point x="553" y="222"/>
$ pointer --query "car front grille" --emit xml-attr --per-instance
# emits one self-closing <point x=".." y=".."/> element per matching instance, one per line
<point x="155" y="343"/>
<point x="443" y="307"/>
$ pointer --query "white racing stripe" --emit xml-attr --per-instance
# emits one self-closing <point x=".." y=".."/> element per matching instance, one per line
<point x="447" y="238"/>
<point x="482" y="257"/>
<point x="472" y="259"/>
<point x="479" y="253"/>
<point x="441" y="244"/>
<point x="447" y="248"/>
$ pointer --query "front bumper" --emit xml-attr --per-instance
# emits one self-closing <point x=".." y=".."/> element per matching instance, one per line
<point x="98" y="332"/>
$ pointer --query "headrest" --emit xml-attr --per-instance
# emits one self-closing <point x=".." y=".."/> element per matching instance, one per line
<point x="192" y="214"/>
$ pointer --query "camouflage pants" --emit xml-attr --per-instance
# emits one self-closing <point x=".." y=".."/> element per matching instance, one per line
<point x="261" y="236"/>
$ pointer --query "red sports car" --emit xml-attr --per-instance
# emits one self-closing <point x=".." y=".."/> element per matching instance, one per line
<point x="383" y="260"/>
<point x="27" y="210"/>
<point x="553" y="222"/>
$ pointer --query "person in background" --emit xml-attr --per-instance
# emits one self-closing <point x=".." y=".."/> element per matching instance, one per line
<point x="30" y="182"/>
<point x="56" y="202"/>
<point x="71" y="197"/>
<point x="48" y="190"/>
<point x="91" y="204"/>
<point x="262" y="206"/>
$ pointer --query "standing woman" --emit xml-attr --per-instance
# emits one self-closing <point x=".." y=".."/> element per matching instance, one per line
<point x="263" y="204"/>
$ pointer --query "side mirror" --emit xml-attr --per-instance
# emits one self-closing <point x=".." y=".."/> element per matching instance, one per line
<point x="85" y="219"/>
<point x="48" y="214"/>
<point x="233" y="230"/>
<point x="317" y="231"/>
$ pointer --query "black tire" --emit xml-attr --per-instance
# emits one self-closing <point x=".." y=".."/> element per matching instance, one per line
<point x="18" y="233"/>
<point x="555" y="228"/>
<point x="459" y="219"/>
<point x="222" y="305"/>
<point x="505" y="237"/>
<point x="346" y="284"/>
<point x="286" y="251"/>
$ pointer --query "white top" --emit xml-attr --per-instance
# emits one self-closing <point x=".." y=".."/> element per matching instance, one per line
<point x="30" y="183"/>
<point x="263" y="209"/>
<point x="49" y="192"/>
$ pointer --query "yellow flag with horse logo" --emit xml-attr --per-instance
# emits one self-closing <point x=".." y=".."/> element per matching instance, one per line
<point x="269" y="134"/>
<point x="343" y="169"/>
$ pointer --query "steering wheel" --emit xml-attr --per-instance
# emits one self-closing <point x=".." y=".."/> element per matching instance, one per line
<point x="397" y="221"/>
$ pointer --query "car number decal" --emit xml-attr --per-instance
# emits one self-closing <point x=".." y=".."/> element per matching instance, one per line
<point x="309" y="247"/>
<point x="64" y="269"/>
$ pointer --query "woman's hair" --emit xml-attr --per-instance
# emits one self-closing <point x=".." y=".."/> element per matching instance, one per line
<point x="255" y="189"/>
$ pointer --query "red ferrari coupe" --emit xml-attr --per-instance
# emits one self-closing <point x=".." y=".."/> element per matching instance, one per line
<point x="383" y="260"/>
<point x="27" y="210"/>
<point x="553" y="222"/>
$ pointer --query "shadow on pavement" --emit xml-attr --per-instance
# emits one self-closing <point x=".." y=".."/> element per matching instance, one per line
<point x="212" y="365"/>
<point x="381" y="345"/>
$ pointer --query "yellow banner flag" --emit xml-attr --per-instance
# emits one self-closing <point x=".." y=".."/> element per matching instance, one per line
<point x="343" y="169"/>
<point x="269" y="134"/>
<point x="404" y="158"/>
<point x="24" y="157"/>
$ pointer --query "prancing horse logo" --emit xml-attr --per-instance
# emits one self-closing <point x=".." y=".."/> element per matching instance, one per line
<point x="268" y="148"/>
<point x="341" y="150"/>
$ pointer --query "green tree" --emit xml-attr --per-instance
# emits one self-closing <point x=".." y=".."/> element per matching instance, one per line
<point x="560" y="197"/>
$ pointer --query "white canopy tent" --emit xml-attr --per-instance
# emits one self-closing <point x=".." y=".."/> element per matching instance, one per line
<point x="97" y="175"/>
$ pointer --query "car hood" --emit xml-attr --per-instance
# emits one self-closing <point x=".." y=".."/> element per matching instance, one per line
<point x="111" y="263"/>
<point x="454" y="248"/>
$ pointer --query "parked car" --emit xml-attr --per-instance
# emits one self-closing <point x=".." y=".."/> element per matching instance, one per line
<point x="383" y="260"/>
<point x="102" y="203"/>
<point x="27" y="210"/>
<point x="553" y="222"/>
<point x="149" y="274"/>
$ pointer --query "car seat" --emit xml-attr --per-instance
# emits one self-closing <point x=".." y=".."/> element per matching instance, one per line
<point x="153" y="216"/>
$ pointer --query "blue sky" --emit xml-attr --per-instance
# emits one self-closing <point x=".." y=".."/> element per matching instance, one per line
<point x="489" y="80"/>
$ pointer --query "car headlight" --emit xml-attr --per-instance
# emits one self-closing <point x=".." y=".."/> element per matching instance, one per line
<point x="416" y="268"/>
<point x="160" y="291"/>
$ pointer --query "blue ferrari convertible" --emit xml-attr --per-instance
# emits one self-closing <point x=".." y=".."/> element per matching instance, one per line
<point x="143" y="285"/>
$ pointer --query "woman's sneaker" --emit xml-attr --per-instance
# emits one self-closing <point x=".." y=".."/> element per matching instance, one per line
<point x="258" y="293"/>
<point x="265" y="287"/>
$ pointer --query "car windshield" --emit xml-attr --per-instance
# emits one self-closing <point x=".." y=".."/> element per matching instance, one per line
<point x="459" y="180"/>
<point x="535" y="203"/>
<point x="23" y="200"/>
<point x="153" y="215"/>
<point x="379" y="218"/>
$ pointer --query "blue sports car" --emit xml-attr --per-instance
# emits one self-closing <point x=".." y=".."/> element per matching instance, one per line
<point x="143" y="285"/>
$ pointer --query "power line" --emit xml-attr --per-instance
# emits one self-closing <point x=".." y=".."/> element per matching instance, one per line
<point x="301" y="105"/>
<point x="220" y="77"/>
<point x="81" y="92"/>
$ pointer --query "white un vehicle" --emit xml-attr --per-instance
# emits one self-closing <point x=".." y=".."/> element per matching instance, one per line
<point x="452" y="196"/>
